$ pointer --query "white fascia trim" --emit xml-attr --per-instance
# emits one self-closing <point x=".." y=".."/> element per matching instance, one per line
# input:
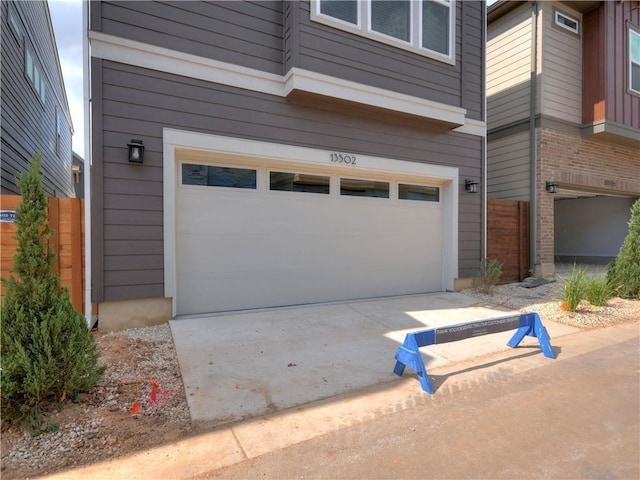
<point x="473" y="127"/>
<point x="169" y="174"/>
<point x="265" y="152"/>
<point x="131" y="52"/>
<point x="307" y="81"/>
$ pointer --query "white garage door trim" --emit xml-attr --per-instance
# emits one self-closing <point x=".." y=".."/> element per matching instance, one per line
<point x="269" y="153"/>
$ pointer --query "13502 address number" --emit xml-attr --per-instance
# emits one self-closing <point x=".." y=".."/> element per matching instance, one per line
<point x="343" y="158"/>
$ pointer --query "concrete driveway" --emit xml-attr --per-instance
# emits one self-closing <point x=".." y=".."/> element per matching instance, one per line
<point x="241" y="365"/>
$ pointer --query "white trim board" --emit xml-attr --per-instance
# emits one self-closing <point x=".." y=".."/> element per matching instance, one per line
<point x="162" y="59"/>
<point x="265" y="152"/>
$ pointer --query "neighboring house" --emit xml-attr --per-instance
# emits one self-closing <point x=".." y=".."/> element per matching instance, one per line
<point x="294" y="152"/>
<point x="78" y="175"/>
<point x="563" y="115"/>
<point x="35" y="112"/>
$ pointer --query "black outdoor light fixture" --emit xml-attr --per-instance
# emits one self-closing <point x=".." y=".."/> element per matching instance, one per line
<point x="136" y="151"/>
<point x="552" y="187"/>
<point x="471" y="186"/>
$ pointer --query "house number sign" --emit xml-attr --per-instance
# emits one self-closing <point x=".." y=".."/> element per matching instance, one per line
<point x="346" y="158"/>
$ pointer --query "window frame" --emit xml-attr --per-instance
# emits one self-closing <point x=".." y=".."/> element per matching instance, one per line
<point x="35" y="74"/>
<point x="357" y="178"/>
<point x="15" y="23"/>
<point x="294" y="172"/>
<point x="58" y="132"/>
<point x="424" y="200"/>
<point x="224" y="188"/>
<point x="363" y="28"/>
<point x="631" y="30"/>
<point x="558" y="13"/>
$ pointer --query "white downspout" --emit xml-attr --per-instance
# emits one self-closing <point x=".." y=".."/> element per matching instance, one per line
<point x="87" y="167"/>
<point x="485" y="139"/>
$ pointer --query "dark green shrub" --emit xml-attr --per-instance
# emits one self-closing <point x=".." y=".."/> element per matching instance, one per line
<point x="47" y="354"/>
<point x="624" y="274"/>
<point x="488" y="276"/>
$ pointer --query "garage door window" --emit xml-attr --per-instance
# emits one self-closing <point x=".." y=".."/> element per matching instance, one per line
<point x="420" y="193"/>
<point x="215" y="176"/>
<point x="298" y="182"/>
<point x="364" y="188"/>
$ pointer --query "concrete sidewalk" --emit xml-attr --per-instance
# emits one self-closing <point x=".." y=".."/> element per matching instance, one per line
<point x="236" y="442"/>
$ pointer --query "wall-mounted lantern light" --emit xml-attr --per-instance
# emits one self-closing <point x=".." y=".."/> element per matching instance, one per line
<point x="552" y="187"/>
<point x="471" y="186"/>
<point x="136" y="151"/>
<point x="75" y="170"/>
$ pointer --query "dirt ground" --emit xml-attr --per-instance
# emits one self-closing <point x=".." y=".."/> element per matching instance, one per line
<point x="141" y="403"/>
<point x="123" y="414"/>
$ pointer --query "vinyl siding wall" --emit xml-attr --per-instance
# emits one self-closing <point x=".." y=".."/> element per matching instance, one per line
<point x="132" y="102"/>
<point x="508" y="167"/>
<point x="239" y="32"/>
<point x="606" y="95"/>
<point x="320" y="48"/>
<point x="254" y="34"/>
<point x="561" y="72"/>
<point x="509" y="68"/>
<point x="28" y="126"/>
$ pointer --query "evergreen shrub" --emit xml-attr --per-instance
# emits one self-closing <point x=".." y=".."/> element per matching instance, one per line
<point x="624" y="273"/>
<point x="47" y="353"/>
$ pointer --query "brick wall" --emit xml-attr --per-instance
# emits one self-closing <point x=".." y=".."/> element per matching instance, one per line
<point x="579" y="164"/>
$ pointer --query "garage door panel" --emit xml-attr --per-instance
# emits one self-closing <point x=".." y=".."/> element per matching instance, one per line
<point x="251" y="249"/>
<point x="298" y="286"/>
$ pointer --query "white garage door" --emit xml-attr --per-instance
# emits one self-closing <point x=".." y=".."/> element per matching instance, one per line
<point x="253" y="236"/>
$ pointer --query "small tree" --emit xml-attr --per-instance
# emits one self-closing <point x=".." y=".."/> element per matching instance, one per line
<point x="624" y="273"/>
<point x="47" y="353"/>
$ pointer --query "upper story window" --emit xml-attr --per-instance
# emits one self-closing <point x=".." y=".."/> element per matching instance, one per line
<point x="58" y="132"/>
<point x="634" y="61"/>
<point x="565" y="21"/>
<point x="34" y="74"/>
<point x="424" y="27"/>
<point x="15" y="23"/>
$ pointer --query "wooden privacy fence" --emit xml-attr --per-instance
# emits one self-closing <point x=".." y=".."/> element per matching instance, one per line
<point x="508" y="237"/>
<point x="66" y="217"/>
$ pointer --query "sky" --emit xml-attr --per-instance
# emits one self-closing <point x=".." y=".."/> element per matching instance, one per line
<point x="66" y="16"/>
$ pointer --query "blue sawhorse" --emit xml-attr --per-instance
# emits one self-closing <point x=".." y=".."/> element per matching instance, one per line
<point x="527" y="324"/>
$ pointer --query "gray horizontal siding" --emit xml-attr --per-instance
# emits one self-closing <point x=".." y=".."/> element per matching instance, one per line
<point x="508" y="167"/>
<point x="509" y="68"/>
<point x="243" y="33"/>
<point x="28" y="126"/>
<point x="561" y="67"/>
<point x="137" y="103"/>
<point x="321" y="48"/>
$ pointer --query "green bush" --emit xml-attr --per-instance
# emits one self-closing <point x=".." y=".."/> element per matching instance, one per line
<point x="488" y="276"/>
<point x="574" y="288"/>
<point x="597" y="290"/>
<point x="47" y="354"/>
<point x="624" y="274"/>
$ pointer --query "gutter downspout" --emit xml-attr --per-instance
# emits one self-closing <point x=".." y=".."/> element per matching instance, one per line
<point x="485" y="247"/>
<point x="88" y="313"/>
<point x="533" y="202"/>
